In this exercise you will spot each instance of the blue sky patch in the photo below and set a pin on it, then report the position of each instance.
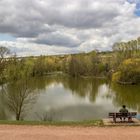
(6, 37)
(137, 10)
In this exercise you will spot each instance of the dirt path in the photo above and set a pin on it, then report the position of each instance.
(13, 132)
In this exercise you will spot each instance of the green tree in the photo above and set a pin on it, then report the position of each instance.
(77, 66)
(40, 66)
(128, 71)
(3, 52)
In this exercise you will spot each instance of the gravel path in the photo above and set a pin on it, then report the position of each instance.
(22, 132)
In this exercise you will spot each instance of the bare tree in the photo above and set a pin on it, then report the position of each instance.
(19, 98)
(3, 51)
(46, 116)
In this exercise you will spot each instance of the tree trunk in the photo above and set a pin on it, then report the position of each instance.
(18, 116)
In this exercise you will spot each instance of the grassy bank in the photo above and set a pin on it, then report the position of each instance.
(61, 123)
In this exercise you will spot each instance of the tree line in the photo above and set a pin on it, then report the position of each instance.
(117, 65)
(127, 62)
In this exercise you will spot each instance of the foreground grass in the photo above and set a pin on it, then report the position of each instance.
(52, 123)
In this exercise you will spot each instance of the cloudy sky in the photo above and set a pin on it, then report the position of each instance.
(35, 27)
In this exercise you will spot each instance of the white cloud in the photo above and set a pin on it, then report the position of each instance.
(62, 26)
(32, 49)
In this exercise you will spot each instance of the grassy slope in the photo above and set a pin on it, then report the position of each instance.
(83, 123)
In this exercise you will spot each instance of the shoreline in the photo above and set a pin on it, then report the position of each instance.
(90, 123)
(54, 123)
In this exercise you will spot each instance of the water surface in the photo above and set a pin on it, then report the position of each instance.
(63, 98)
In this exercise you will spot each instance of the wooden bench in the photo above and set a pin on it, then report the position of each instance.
(129, 115)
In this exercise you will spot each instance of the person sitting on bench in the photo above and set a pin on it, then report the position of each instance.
(124, 112)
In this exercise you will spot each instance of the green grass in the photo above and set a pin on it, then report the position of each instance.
(61, 123)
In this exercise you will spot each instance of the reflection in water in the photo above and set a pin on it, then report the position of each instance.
(83, 87)
(65, 98)
(2, 107)
(128, 95)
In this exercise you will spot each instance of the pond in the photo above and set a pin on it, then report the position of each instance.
(63, 98)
